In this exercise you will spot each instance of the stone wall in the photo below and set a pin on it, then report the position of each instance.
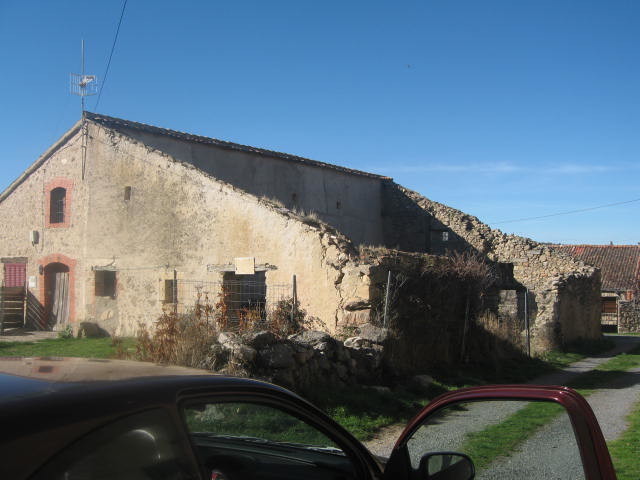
(629, 317)
(565, 293)
(304, 361)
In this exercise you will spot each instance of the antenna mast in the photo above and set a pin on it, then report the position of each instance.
(83, 85)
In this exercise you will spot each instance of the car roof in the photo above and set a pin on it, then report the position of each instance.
(24, 377)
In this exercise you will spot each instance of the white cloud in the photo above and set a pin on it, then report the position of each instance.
(504, 168)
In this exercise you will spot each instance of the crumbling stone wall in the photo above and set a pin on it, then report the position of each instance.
(303, 361)
(564, 292)
(629, 316)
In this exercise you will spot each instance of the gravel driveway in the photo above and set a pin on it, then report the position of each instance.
(611, 406)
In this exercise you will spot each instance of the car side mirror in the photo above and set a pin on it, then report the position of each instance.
(446, 466)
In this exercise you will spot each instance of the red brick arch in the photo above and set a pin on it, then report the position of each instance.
(69, 262)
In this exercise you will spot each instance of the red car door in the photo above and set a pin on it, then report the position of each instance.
(518, 432)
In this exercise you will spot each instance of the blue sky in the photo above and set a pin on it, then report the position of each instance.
(503, 109)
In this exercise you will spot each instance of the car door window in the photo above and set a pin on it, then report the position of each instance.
(248, 440)
(502, 438)
(144, 446)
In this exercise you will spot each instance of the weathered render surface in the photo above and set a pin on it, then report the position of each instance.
(178, 217)
(347, 199)
(145, 203)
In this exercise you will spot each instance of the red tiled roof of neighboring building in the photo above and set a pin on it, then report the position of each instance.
(119, 123)
(619, 264)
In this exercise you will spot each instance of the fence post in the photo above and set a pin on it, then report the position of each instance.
(294, 298)
(2, 308)
(175, 291)
(526, 320)
(386, 300)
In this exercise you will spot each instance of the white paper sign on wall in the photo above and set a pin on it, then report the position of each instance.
(245, 265)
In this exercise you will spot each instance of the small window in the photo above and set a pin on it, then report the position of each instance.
(127, 194)
(338, 204)
(105, 283)
(170, 291)
(57, 204)
(445, 236)
(294, 197)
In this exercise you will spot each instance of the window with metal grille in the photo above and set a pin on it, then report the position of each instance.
(105, 283)
(57, 204)
(245, 294)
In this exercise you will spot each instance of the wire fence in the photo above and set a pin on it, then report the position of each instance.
(235, 300)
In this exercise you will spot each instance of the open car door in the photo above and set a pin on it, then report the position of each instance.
(503, 432)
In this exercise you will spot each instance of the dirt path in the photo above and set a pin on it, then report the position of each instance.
(23, 335)
(611, 405)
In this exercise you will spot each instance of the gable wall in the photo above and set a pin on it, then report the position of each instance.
(180, 218)
(26, 209)
(317, 189)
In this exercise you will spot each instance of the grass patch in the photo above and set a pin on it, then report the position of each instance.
(496, 440)
(607, 372)
(625, 451)
(501, 439)
(363, 411)
(67, 347)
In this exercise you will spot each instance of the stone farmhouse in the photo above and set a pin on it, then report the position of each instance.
(119, 221)
(620, 272)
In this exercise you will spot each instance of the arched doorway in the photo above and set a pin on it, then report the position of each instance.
(56, 293)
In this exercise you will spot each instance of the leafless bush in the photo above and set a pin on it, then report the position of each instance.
(177, 340)
(285, 320)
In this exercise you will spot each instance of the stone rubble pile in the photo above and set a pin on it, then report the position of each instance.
(303, 360)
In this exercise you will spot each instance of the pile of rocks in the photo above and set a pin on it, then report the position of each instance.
(302, 360)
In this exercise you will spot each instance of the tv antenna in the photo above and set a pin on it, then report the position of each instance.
(82, 84)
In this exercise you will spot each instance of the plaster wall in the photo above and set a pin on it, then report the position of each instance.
(351, 203)
(178, 217)
(25, 210)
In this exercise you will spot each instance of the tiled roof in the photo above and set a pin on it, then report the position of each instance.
(618, 264)
(119, 123)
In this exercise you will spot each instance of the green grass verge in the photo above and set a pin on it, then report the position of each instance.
(363, 411)
(501, 439)
(625, 451)
(65, 347)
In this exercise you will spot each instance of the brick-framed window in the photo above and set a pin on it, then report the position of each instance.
(58, 203)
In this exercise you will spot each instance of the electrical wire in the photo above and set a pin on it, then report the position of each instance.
(113, 47)
(567, 212)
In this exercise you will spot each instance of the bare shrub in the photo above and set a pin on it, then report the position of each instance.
(285, 320)
(178, 340)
